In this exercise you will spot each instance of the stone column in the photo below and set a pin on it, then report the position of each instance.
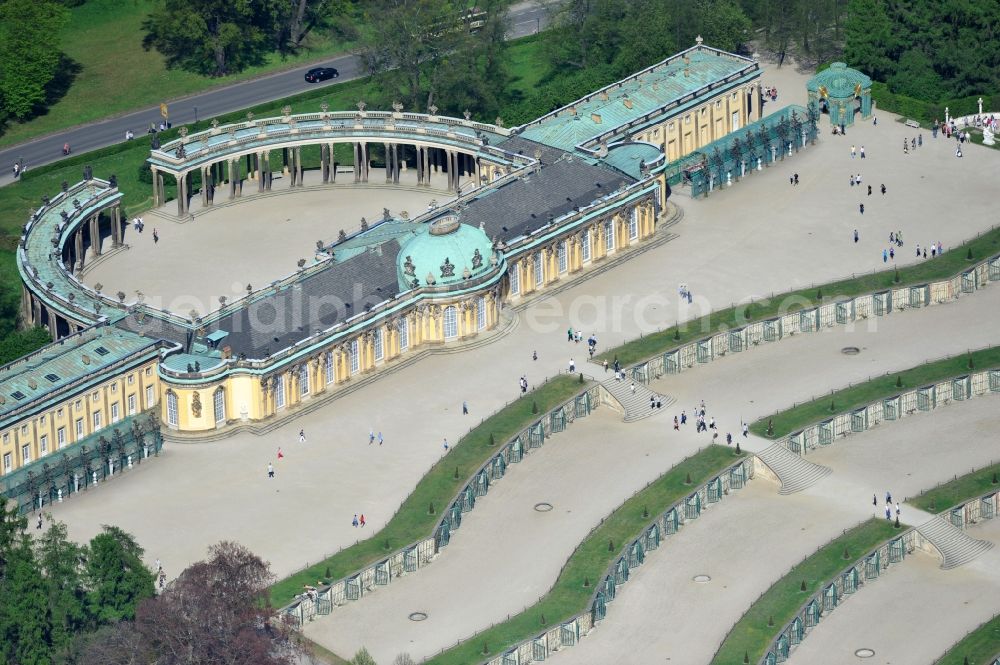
(204, 187)
(479, 173)
(52, 323)
(79, 250)
(261, 177)
(298, 166)
(268, 175)
(388, 163)
(232, 179)
(420, 165)
(156, 189)
(116, 225)
(36, 309)
(181, 194)
(324, 162)
(95, 236)
(356, 147)
(333, 163)
(395, 163)
(449, 168)
(365, 165)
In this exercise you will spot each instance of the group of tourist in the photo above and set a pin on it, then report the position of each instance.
(888, 505)
(703, 425)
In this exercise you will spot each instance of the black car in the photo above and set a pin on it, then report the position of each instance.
(321, 74)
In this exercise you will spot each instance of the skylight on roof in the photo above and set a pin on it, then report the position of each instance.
(101, 351)
(17, 394)
(52, 377)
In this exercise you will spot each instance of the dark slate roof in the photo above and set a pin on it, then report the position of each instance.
(277, 321)
(526, 203)
(154, 328)
(522, 146)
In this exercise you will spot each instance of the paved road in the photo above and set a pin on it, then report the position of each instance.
(526, 18)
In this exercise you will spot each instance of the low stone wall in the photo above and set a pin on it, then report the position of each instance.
(669, 522)
(908, 403)
(974, 511)
(842, 312)
(863, 571)
(325, 597)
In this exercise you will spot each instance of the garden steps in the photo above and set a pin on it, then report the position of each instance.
(794, 472)
(957, 548)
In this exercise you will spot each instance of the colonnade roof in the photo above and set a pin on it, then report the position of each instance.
(57, 365)
(653, 91)
(392, 127)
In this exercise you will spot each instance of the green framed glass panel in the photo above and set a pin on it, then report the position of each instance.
(995, 380)
(600, 609)
(961, 388)
(850, 580)
(636, 554)
(920, 295)
(897, 550)
(410, 560)
(557, 420)
(468, 499)
(969, 281)
(926, 398)
(536, 435)
(825, 432)
(499, 467)
(324, 604)
(692, 507)
(770, 658)
(873, 566)
(957, 517)
(796, 630)
(714, 490)
(737, 477)
(781, 648)
(890, 408)
(772, 330)
(382, 573)
(621, 571)
(845, 311)
(671, 521)
(859, 420)
(672, 362)
(830, 597)
(482, 483)
(444, 533)
(813, 612)
(352, 588)
(808, 320)
(515, 451)
(539, 651)
(640, 373)
(511, 658)
(610, 588)
(581, 405)
(736, 338)
(882, 303)
(455, 515)
(995, 268)
(568, 634)
(795, 442)
(704, 350)
(652, 537)
(987, 507)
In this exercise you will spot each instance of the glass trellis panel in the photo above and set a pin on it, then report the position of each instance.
(511, 658)
(671, 362)
(850, 580)
(882, 303)
(925, 398)
(919, 295)
(736, 341)
(692, 507)
(582, 405)
(538, 649)
(324, 604)
(995, 268)
(714, 490)
(961, 388)
(557, 420)
(516, 451)
(444, 533)
(410, 560)
(636, 554)
(468, 499)
(859, 420)
(969, 281)
(671, 521)
(795, 442)
(995, 380)
(807, 320)
(499, 467)
(890, 408)
(610, 588)
(640, 373)
(872, 566)
(825, 432)
(830, 598)
(897, 550)
(845, 311)
(704, 348)
(813, 612)
(482, 483)
(456, 514)
(770, 658)
(599, 610)
(737, 477)
(382, 573)
(352, 588)
(987, 507)
(796, 631)
(536, 435)
(772, 330)
(567, 634)
(621, 571)
(653, 537)
(781, 648)
(957, 517)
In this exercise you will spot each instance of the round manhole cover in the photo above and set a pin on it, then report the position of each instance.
(702, 579)
(418, 616)
(543, 507)
(864, 653)
(850, 350)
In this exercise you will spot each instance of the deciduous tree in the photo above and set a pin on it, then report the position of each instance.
(29, 53)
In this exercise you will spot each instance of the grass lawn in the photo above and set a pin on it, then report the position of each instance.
(959, 490)
(751, 635)
(821, 408)
(978, 646)
(951, 263)
(569, 596)
(104, 34)
(413, 521)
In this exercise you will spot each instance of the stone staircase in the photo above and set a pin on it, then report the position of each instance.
(635, 404)
(957, 548)
(794, 472)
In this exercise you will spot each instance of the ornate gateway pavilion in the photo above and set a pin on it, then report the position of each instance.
(532, 207)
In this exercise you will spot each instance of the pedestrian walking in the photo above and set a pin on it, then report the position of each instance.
(897, 510)
(156, 236)
(888, 497)
(302, 436)
(446, 445)
(888, 512)
(855, 235)
(883, 190)
(38, 526)
(684, 418)
(892, 253)
(853, 152)
(605, 366)
(270, 470)
(380, 438)
(852, 180)
(569, 334)
(362, 520)
(572, 366)
(796, 178)
(534, 355)
(869, 190)
(746, 430)
(861, 207)
(354, 522)
(281, 455)
(633, 387)
(465, 408)
(677, 425)
(371, 436)
(885, 256)
(862, 152)
(729, 439)
(711, 422)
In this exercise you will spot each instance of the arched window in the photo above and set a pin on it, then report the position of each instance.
(587, 240)
(279, 392)
(219, 402)
(171, 408)
(450, 322)
(539, 269)
(481, 313)
(328, 367)
(633, 224)
(563, 258)
(404, 334)
(515, 279)
(379, 340)
(609, 235)
(355, 359)
(304, 379)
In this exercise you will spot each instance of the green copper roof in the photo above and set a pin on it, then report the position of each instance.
(36, 377)
(444, 252)
(626, 157)
(840, 81)
(637, 96)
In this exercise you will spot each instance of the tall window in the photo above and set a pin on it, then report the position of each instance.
(450, 322)
(328, 367)
(43, 445)
(633, 224)
(219, 403)
(172, 408)
(539, 269)
(131, 405)
(355, 359)
(25, 454)
(7, 463)
(79, 428)
(61, 437)
(150, 398)
(609, 235)
(304, 379)
(586, 245)
(515, 279)
(115, 413)
(404, 334)
(563, 258)
(379, 346)
(97, 420)
(481, 313)
(279, 392)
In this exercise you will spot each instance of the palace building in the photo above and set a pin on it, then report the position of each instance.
(530, 207)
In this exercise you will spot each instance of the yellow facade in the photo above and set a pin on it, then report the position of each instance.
(78, 415)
